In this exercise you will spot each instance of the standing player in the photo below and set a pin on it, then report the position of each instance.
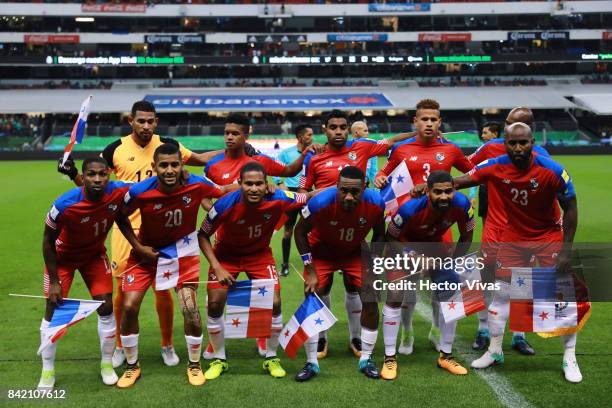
(529, 187)
(495, 222)
(420, 220)
(322, 171)
(303, 133)
(169, 205)
(329, 236)
(75, 232)
(360, 130)
(130, 158)
(423, 154)
(244, 222)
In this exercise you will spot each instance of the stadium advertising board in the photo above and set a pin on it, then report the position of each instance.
(270, 38)
(445, 37)
(51, 39)
(537, 35)
(398, 7)
(357, 37)
(606, 35)
(175, 39)
(312, 101)
(114, 8)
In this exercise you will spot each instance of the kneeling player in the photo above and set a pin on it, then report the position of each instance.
(168, 204)
(422, 220)
(329, 236)
(244, 222)
(74, 236)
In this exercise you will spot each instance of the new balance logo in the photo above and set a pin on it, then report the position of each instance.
(84, 220)
(329, 164)
(157, 206)
(225, 176)
(413, 158)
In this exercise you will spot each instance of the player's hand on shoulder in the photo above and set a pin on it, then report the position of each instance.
(419, 190)
(381, 181)
(249, 150)
(314, 148)
(55, 293)
(68, 168)
(224, 277)
(147, 254)
(272, 188)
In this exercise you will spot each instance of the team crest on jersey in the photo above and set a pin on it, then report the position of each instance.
(84, 220)
(131, 158)
(440, 157)
(130, 278)
(352, 156)
(398, 220)
(362, 221)
(186, 199)
(240, 222)
(533, 183)
(112, 207)
(267, 216)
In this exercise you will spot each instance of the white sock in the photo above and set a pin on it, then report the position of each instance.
(327, 302)
(391, 325)
(107, 330)
(194, 347)
(216, 336)
(569, 342)
(368, 341)
(496, 344)
(272, 341)
(406, 315)
(483, 323)
(130, 347)
(311, 349)
(48, 354)
(447, 333)
(352, 302)
(499, 310)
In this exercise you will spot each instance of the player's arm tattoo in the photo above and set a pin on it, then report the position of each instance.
(50, 256)
(202, 159)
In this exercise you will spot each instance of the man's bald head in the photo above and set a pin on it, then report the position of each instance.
(518, 128)
(359, 129)
(520, 114)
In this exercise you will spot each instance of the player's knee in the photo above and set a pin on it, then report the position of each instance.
(131, 307)
(107, 307)
(191, 314)
(215, 309)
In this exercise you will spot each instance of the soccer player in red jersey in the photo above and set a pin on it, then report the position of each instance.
(530, 187)
(329, 236)
(224, 168)
(494, 224)
(322, 170)
(424, 153)
(423, 220)
(74, 236)
(169, 205)
(243, 223)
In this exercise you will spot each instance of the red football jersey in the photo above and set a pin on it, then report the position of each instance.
(243, 229)
(416, 221)
(168, 217)
(496, 215)
(421, 159)
(336, 232)
(322, 170)
(224, 170)
(529, 196)
(84, 224)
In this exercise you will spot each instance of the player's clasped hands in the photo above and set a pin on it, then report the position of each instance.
(147, 254)
(224, 277)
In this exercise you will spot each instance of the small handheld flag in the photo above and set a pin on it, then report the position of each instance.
(67, 314)
(78, 131)
(312, 317)
(249, 309)
(400, 184)
(178, 262)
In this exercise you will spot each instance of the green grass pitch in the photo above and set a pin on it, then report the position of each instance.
(28, 188)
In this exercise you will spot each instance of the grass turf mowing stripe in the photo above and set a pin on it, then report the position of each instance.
(503, 389)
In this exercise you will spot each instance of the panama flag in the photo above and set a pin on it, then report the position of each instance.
(469, 299)
(249, 309)
(65, 315)
(548, 304)
(78, 131)
(178, 263)
(311, 318)
(400, 184)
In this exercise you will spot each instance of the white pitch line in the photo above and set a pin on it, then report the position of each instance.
(501, 386)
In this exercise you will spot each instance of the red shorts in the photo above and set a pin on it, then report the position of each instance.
(542, 253)
(256, 266)
(95, 271)
(351, 267)
(139, 276)
(491, 237)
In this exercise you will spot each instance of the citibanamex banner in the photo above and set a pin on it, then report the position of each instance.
(51, 38)
(445, 37)
(114, 8)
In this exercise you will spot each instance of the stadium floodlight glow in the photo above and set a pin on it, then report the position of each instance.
(84, 19)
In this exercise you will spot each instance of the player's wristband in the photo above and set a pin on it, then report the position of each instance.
(306, 258)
